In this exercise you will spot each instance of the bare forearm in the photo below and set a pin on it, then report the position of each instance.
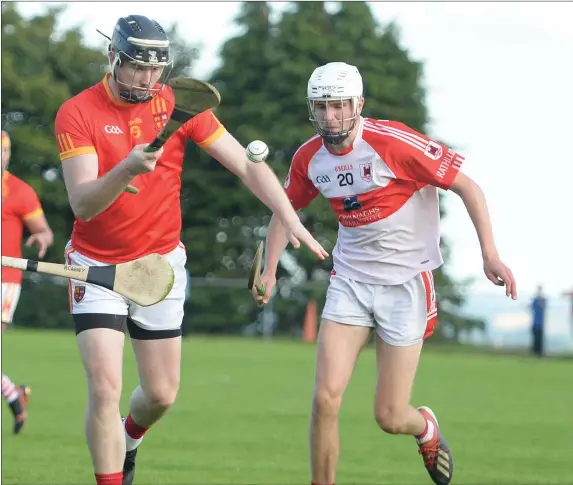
(276, 244)
(92, 198)
(476, 205)
(264, 184)
(39, 226)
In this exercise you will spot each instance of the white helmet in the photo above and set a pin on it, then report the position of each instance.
(333, 83)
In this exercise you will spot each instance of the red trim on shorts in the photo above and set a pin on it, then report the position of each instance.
(69, 250)
(431, 303)
(9, 295)
(8, 298)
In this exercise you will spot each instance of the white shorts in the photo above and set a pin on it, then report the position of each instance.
(402, 314)
(165, 315)
(10, 297)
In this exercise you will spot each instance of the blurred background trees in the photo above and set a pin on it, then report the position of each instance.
(262, 78)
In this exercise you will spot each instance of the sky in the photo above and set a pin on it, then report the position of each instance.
(500, 89)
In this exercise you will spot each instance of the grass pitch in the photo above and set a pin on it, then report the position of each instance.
(242, 417)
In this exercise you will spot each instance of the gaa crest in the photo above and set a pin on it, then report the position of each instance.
(366, 171)
(160, 112)
(160, 121)
(79, 293)
(433, 150)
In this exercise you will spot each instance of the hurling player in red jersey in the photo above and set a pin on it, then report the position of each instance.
(21, 209)
(101, 135)
(381, 179)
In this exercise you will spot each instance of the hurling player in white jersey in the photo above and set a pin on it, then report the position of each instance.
(381, 179)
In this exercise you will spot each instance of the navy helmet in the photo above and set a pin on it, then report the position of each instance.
(143, 43)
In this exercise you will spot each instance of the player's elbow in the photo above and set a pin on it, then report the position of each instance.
(78, 197)
(82, 216)
(81, 211)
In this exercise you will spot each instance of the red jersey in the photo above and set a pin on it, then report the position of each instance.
(19, 204)
(133, 226)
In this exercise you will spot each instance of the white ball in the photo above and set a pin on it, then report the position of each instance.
(257, 151)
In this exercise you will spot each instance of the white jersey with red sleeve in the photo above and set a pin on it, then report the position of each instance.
(384, 190)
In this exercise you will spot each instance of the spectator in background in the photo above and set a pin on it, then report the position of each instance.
(538, 306)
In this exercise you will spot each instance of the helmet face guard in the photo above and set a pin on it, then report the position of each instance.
(139, 44)
(131, 91)
(333, 117)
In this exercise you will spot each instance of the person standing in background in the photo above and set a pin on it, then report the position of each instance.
(538, 306)
(570, 295)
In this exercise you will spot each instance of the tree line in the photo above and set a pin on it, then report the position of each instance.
(262, 79)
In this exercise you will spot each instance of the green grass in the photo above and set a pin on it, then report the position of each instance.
(242, 417)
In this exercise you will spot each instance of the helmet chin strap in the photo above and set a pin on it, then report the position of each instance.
(127, 96)
(130, 97)
(335, 138)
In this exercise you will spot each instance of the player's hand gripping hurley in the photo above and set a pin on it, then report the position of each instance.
(145, 281)
(255, 275)
(192, 97)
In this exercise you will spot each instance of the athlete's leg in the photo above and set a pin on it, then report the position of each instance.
(401, 314)
(15, 396)
(99, 318)
(17, 399)
(406, 315)
(397, 367)
(101, 351)
(158, 358)
(338, 347)
(156, 340)
(9, 390)
(158, 364)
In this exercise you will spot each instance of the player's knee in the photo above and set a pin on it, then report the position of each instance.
(163, 395)
(326, 403)
(104, 394)
(390, 419)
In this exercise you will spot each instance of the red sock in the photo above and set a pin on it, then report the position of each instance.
(133, 429)
(109, 478)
